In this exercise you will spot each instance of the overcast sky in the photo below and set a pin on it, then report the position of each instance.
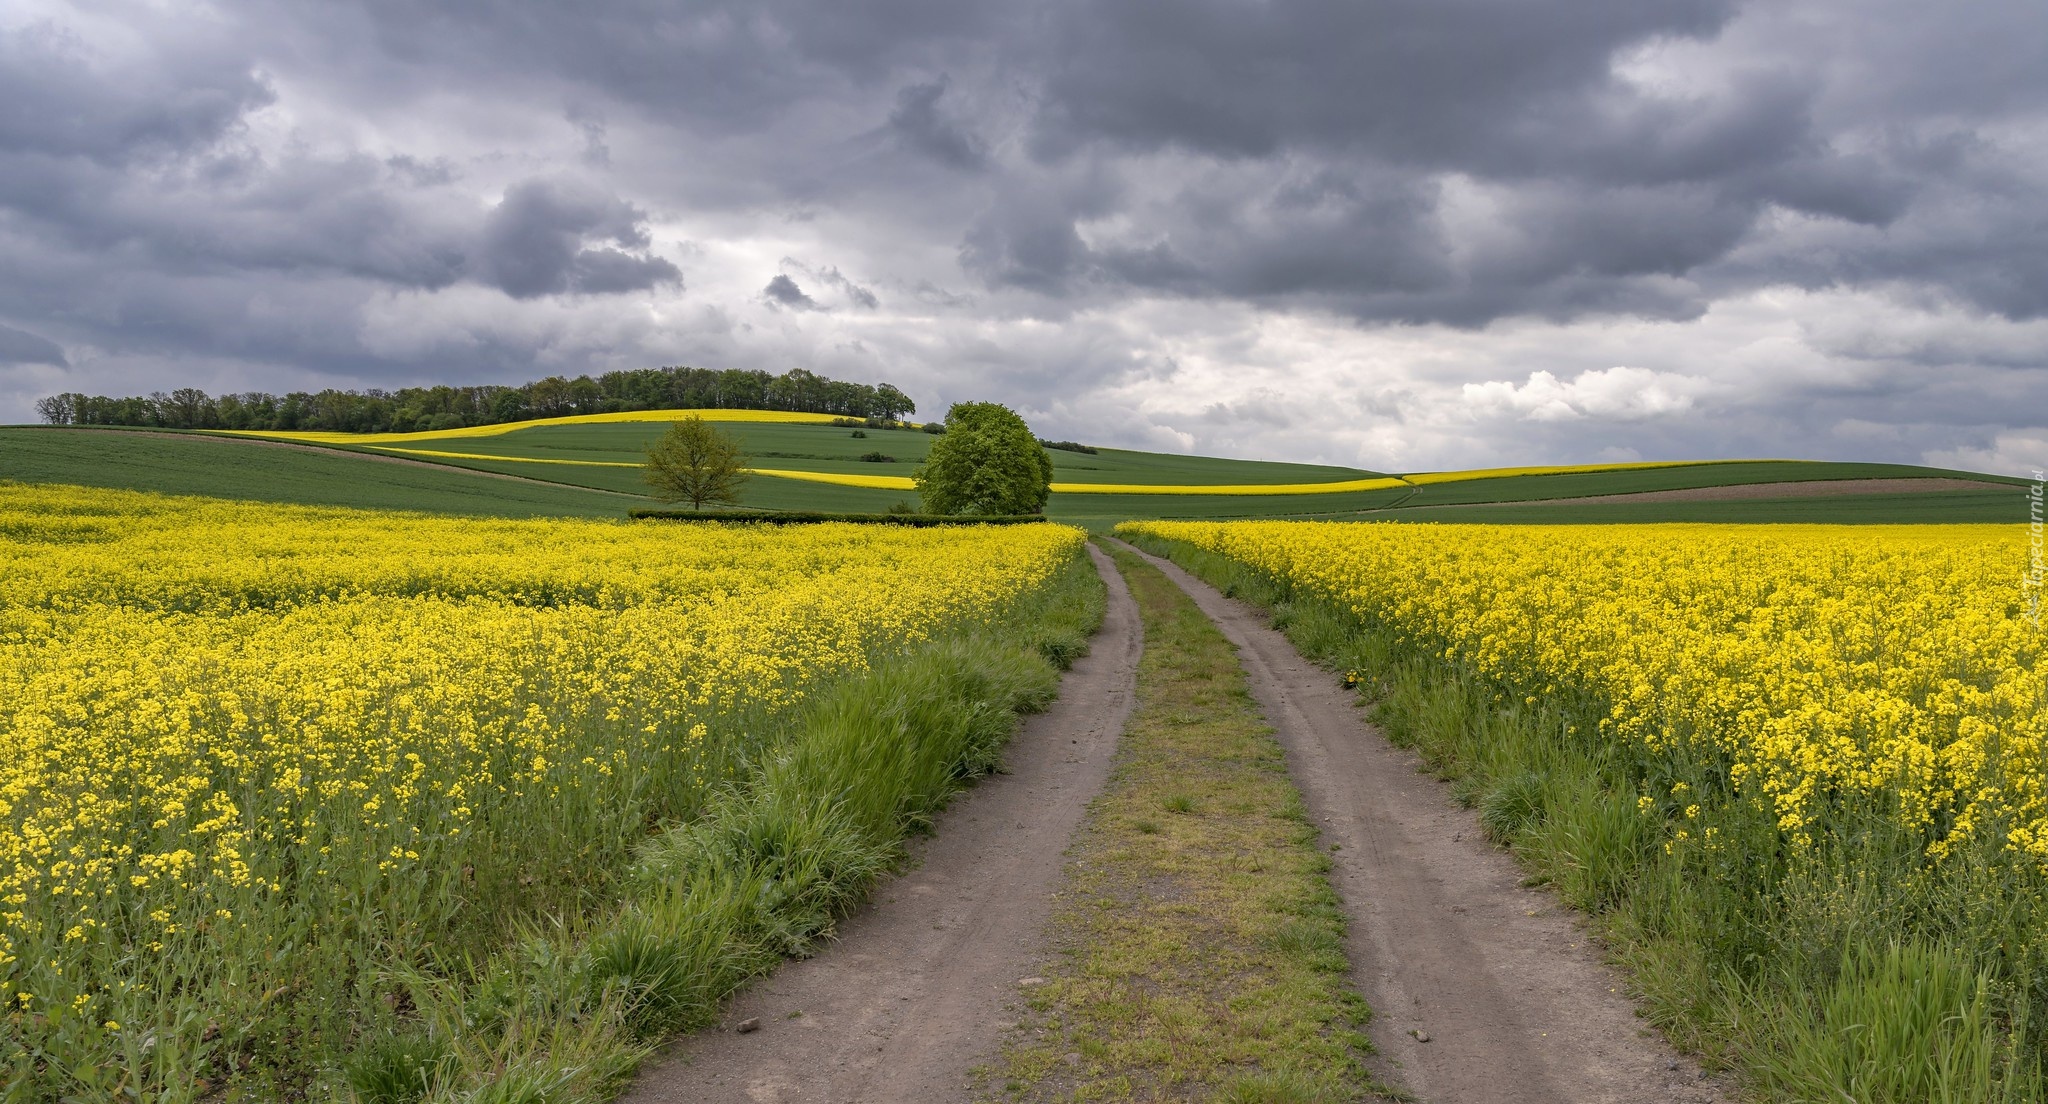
(1397, 234)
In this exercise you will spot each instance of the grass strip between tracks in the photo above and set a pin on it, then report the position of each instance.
(1198, 944)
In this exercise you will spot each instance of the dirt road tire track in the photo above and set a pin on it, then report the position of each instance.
(1510, 990)
(915, 990)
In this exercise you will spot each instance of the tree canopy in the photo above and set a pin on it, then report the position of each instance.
(987, 462)
(696, 462)
(410, 409)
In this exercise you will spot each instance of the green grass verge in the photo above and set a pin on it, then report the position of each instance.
(1200, 946)
(195, 464)
(566, 1013)
(1857, 972)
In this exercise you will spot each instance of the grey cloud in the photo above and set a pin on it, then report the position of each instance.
(855, 294)
(1854, 188)
(61, 104)
(1262, 408)
(860, 297)
(611, 272)
(1028, 240)
(783, 291)
(421, 174)
(1028, 236)
(1370, 242)
(1973, 235)
(1324, 233)
(23, 347)
(532, 244)
(597, 151)
(339, 188)
(728, 66)
(919, 124)
(1468, 83)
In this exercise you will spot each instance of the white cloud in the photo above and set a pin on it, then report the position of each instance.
(1619, 393)
(2023, 454)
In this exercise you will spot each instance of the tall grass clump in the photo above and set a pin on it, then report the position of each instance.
(1839, 962)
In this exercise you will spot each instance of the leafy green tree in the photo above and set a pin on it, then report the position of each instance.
(697, 462)
(891, 404)
(987, 462)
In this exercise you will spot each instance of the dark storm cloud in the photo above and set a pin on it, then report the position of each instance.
(57, 106)
(859, 296)
(918, 121)
(533, 244)
(1484, 83)
(728, 66)
(783, 291)
(375, 190)
(1027, 244)
(1610, 189)
(23, 347)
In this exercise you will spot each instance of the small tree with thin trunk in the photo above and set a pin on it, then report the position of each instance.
(697, 463)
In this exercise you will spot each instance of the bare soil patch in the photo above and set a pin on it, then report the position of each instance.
(1483, 991)
(919, 986)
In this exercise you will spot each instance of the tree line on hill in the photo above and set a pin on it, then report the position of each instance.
(410, 409)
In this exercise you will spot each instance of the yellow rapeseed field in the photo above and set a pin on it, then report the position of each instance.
(246, 747)
(498, 429)
(1833, 670)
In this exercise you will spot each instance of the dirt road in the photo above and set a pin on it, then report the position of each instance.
(915, 989)
(1484, 992)
(1515, 1003)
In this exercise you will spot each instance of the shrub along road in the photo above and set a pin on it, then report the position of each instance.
(916, 988)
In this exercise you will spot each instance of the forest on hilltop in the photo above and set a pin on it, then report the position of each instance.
(442, 406)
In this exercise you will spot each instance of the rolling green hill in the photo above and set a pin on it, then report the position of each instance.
(833, 449)
(1528, 488)
(591, 467)
(226, 468)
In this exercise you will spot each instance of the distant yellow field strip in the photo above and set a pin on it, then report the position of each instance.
(329, 438)
(904, 483)
(392, 442)
(1378, 483)
(1422, 478)
(880, 482)
(875, 482)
